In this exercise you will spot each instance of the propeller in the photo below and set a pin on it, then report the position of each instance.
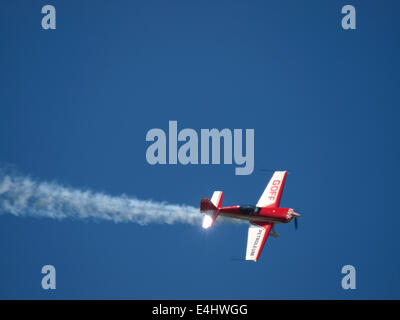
(295, 215)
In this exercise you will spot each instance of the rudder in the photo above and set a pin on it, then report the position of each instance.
(211, 208)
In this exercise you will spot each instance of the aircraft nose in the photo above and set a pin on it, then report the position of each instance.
(293, 214)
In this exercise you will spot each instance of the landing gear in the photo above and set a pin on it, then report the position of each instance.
(274, 234)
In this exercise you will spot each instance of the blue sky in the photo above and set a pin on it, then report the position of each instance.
(76, 104)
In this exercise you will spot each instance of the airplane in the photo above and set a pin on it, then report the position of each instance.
(262, 217)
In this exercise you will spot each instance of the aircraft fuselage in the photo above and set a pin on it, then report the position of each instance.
(252, 213)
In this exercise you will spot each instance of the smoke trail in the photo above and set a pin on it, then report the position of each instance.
(23, 196)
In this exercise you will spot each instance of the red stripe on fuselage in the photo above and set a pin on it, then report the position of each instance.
(267, 214)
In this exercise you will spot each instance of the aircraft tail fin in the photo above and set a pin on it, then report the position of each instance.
(211, 209)
(216, 198)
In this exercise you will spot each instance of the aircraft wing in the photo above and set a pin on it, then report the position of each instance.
(258, 234)
(271, 196)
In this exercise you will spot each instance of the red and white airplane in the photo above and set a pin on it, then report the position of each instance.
(262, 217)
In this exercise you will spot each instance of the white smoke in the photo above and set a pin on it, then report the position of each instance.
(23, 196)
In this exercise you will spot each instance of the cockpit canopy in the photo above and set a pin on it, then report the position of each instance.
(250, 210)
